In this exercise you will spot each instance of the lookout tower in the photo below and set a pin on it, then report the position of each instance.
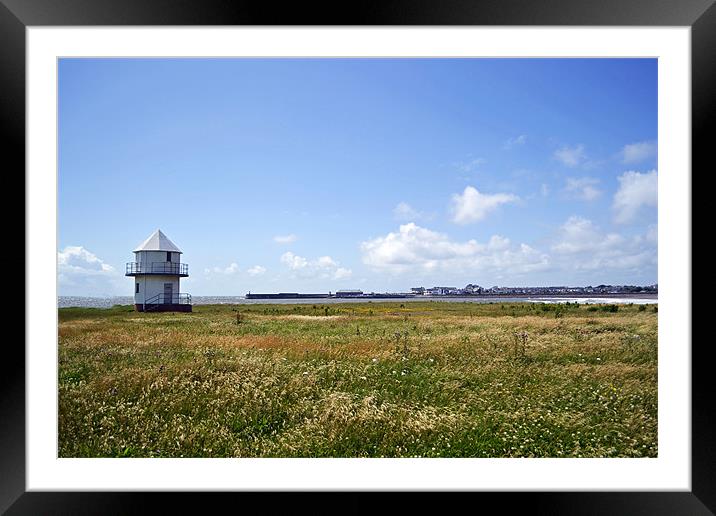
(156, 270)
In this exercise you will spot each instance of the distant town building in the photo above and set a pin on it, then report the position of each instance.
(442, 291)
(471, 290)
(156, 270)
(349, 293)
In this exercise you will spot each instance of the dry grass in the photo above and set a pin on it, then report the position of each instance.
(359, 380)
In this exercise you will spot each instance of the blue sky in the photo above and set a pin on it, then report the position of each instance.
(378, 174)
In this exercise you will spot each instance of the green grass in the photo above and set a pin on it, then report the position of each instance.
(425, 379)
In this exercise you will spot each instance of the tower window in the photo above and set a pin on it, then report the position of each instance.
(169, 256)
(136, 289)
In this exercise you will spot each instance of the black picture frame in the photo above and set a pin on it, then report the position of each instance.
(17, 15)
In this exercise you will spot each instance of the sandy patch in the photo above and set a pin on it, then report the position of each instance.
(313, 318)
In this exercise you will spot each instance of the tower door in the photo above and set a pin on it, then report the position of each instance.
(168, 293)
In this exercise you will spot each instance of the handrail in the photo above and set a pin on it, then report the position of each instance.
(164, 299)
(132, 268)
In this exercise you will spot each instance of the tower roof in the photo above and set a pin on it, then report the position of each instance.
(157, 241)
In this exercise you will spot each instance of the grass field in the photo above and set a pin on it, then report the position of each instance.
(420, 379)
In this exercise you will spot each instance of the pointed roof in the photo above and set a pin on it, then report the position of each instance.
(157, 241)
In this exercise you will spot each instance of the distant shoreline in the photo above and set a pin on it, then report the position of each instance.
(108, 302)
(640, 295)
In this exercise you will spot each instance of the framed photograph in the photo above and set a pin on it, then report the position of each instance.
(322, 176)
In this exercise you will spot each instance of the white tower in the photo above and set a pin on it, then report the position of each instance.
(156, 270)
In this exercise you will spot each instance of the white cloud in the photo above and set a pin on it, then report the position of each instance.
(638, 152)
(498, 243)
(81, 272)
(414, 248)
(341, 273)
(636, 190)
(79, 260)
(256, 270)
(583, 188)
(233, 268)
(294, 262)
(580, 235)
(544, 190)
(403, 211)
(285, 239)
(473, 206)
(412, 245)
(570, 156)
(517, 140)
(323, 267)
(582, 245)
(469, 166)
(326, 262)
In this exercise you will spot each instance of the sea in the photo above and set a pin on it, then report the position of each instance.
(109, 302)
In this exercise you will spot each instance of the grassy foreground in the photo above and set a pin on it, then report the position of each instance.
(425, 379)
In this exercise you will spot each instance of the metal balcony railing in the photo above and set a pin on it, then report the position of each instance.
(169, 299)
(136, 268)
